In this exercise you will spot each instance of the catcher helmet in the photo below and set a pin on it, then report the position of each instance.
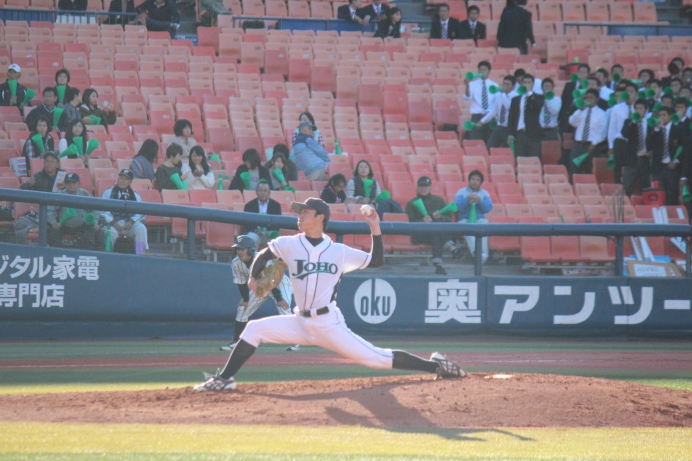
(245, 241)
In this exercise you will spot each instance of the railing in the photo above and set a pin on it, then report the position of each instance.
(635, 29)
(71, 17)
(193, 214)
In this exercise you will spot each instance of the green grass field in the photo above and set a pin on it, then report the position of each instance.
(77, 442)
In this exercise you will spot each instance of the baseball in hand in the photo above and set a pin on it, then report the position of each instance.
(367, 210)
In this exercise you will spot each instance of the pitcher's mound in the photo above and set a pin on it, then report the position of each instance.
(414, 401)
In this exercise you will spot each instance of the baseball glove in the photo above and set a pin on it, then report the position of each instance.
(270, 277)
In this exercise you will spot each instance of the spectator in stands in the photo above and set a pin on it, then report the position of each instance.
(70, 110)
(92, 113)
(442, 25)
(619, 114)
(604, 90)
(675, 85)
(477, 91)
(687, 75)
(72, 5)
(638, 150)
(142, 165)
(516, 28)
(121, 6)
(376, 10)
(665, 167)
(129, 225)
(333, 192)
(500, 112)
(524, 113)
(279, 162)
(159, 16)
(583, 71)
(616, 71)
(685, 92)
(681, 107)
(591, 129)
(353, 13)
(645, 75)
(465, 199)
(667, 100)
(310, 158)
(197, 173)
(263, 204)
(82, 232)
(62, 79)
(171, 166)
(391, 26)
(537, 82)
(675, 68)
(550, 112)
(252, 165)
(595, 84)
(14, 73)
(291, 170)
(183, 132)
(355, 189)
(307, 117)
(472, 28)
(74, 130)
(44, 180)
(432, 204)
(33, 149)
(46, 110)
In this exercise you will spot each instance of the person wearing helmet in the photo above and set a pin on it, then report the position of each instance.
(245, 250)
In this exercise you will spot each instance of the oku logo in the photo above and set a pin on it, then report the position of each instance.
(375, 301)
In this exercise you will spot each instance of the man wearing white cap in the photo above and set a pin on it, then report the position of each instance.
(11, 92)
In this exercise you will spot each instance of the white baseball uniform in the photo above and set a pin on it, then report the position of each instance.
(241, 275)
(315, 275)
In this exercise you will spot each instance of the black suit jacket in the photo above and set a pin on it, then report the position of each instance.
(466, 34)
(655, 140)
(383, 30)
(567, 107)
(344, 12)
(369, 10)
(273, 208)
(533, 111)
(630, 131)
(452, 28)
(515, 28)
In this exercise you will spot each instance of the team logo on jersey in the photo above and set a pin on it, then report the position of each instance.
(305, 268)
(375, 301)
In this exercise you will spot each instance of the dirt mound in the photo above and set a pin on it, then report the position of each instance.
(415, 401)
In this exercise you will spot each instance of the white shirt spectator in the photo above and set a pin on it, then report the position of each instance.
(598, 126)
(502, 99)
(206, 181)
(605, 92)
(618, 116)
(552, 107)
(476, 95)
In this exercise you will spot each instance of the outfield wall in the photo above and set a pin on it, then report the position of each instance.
(48, 293)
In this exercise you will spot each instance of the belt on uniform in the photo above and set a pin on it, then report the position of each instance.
(319, 311)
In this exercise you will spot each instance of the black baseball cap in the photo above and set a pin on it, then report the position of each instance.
(74, 177)
(424, 181)
(127, 172)
(312, 203)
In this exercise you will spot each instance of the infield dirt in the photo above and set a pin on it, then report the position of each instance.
(483, 400)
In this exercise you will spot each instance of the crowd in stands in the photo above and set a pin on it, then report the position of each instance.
(433, 142)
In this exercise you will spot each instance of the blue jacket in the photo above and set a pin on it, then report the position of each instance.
(308, 155)
(464, 206)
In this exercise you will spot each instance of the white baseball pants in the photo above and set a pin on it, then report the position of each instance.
(328, 331)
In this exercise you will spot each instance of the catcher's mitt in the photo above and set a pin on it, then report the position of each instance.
(270, 277)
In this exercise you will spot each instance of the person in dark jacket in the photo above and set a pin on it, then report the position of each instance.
(39, 142)
(665, 166)
(92, 113)
(168, 168)
(333, 192)
(583, 71)
(376, 10)
(516, 28)
(390, 27)
(46, 110)
(355, 190)
(121, 6)
(353, 13)
(472, 28)
(159, 16)
(256, 172)
(62, 80)
(442, 25)
(44, 180)
(263, 205)
(637, 152)
(523, 120)
(14, 73)
(72, 5)
(290, 168)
